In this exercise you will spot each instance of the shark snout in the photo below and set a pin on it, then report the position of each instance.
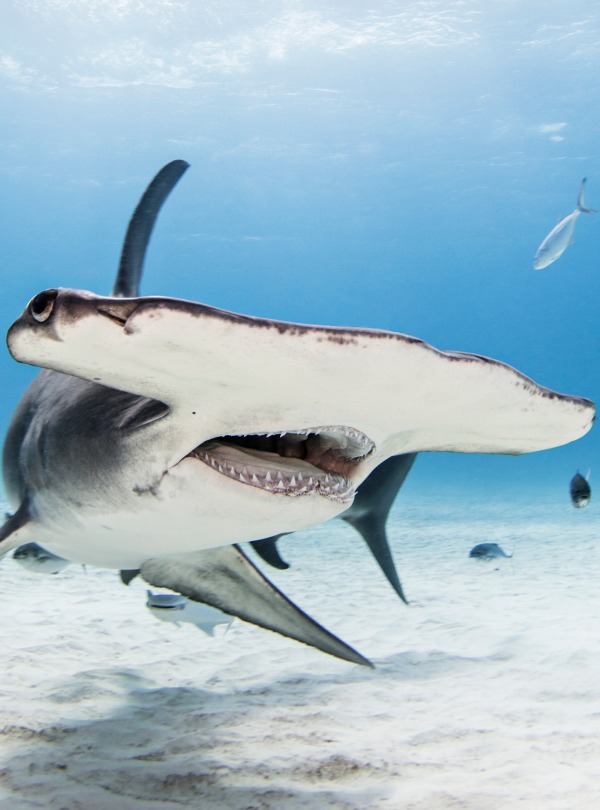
(55, 316)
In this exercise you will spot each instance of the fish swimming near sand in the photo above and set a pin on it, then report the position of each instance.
(37, 559)
(580, 490)
(163, 432)
(487, 551)
(561, 236)
(172, 607)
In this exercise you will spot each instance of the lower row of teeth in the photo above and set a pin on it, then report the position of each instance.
(335, 487)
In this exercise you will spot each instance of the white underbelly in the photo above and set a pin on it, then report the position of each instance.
(181, 517)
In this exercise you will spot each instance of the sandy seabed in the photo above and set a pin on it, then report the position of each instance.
(486, 691)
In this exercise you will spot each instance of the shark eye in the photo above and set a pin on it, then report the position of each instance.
(40, 308)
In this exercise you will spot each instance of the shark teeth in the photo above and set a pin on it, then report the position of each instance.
(316, 460)
(291, 482)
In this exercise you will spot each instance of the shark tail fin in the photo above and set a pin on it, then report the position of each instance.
(580, 203)
(226, 579)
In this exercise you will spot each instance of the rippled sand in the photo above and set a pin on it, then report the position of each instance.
(486, 691)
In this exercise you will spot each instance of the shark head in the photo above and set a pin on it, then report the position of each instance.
(261, 426)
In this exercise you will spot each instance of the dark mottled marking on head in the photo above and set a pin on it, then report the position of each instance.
(341, 340)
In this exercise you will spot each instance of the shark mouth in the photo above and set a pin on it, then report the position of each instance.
(317, 460)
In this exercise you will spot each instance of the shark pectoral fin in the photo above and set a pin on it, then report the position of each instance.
(226, 579)
(128, 574)
(267, 549)
(11, 532)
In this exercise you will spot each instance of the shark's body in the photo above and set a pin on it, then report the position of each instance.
(561, 236)
(195, 441)
(164, 431)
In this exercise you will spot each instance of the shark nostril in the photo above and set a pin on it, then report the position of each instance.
(41, 307)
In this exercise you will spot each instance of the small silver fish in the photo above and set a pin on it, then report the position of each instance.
(173, 607)
(561, 236)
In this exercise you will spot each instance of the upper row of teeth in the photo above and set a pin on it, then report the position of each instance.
(335, 487)
(363, 441)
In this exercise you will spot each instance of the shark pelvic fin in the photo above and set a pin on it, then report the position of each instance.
(226, 579)
(267, 549)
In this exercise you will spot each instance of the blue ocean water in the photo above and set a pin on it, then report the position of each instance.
(390, 164)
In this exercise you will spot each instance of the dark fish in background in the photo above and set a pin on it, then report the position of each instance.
(487, 551)
(580, 490)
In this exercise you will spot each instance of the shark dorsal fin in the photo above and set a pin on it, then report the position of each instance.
(140, 229)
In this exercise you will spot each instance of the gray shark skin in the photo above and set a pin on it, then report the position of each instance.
(159, 435)
(141, 225)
